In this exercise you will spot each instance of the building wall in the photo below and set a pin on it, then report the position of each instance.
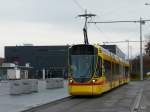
(50, 58)
(1, 61)
(114, 49)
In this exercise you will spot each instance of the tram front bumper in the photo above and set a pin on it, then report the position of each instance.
(85, 89)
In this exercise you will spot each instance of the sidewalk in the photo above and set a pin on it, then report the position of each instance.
(11, 103)
(121, 99)
(145, 103)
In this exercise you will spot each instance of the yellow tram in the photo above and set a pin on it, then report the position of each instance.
(94, 70)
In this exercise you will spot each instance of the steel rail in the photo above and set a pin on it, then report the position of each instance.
(42, 106)
(137, 102)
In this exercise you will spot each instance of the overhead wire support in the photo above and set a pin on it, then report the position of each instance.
(122, 41)
(79, 5)
(86, 16)
(142, 22)
(130, 21)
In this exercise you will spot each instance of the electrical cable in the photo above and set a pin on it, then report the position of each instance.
(79, 5)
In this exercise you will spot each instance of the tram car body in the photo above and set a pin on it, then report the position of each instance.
(94, 70)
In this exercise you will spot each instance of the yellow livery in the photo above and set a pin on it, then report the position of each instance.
(93, 70)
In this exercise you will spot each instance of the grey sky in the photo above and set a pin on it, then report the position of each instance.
(49, 22)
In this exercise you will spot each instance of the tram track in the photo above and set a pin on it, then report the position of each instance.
(34, 109)
(136, 106)
(117, 100)
(73, 101)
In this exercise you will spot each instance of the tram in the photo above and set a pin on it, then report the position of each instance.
(94, 70)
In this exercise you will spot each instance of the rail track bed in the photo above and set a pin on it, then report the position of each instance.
(122, 99)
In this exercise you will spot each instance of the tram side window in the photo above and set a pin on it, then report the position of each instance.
(107, 66)
(121, 70)
(117, 69)
(113, 70)
(126, 71)
(99, 66)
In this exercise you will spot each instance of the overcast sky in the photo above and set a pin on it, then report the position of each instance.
(54, 22)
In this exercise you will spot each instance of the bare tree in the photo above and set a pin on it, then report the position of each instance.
(147, 47)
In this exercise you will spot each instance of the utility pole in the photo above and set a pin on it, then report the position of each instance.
(128, 49)
(131, 58)
(141, 52)
(141, 21)
(86, 16)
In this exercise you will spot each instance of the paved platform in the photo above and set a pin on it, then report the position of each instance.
(122, 99)
(145, 103)
(17, 103)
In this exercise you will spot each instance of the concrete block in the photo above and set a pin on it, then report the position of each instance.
(27, 86)
(15, 87)
(34, 85)
(60, 82)
(54, 83)
(50, 83)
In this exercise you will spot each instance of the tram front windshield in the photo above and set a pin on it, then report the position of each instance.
(82, 61)
(82, 66)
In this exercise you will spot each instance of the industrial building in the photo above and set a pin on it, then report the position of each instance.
(10, 71)
(46, 61)
(114, 49)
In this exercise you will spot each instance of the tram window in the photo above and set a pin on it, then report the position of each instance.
(123, 71)
(107, 66)
(120, 70)
(113, 70)
(117, 69)
(126, 71)
(83, 50)
(99, 66)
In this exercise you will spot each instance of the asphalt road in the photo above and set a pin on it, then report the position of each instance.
(146, 97)
(121, 99)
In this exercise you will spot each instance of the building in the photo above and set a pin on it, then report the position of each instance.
(12, 72)
(50, 61)
(114, 49)
(46, 61)
(1, 60)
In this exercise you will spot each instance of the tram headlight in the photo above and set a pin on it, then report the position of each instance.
(93, 80)
(70, 81)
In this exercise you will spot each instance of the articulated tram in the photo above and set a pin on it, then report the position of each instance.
(94, 70)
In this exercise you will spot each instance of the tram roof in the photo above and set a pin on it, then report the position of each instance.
(113, 55)
(107, 52)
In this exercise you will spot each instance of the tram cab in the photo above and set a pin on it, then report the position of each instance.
(85, 70)
(93, 70)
